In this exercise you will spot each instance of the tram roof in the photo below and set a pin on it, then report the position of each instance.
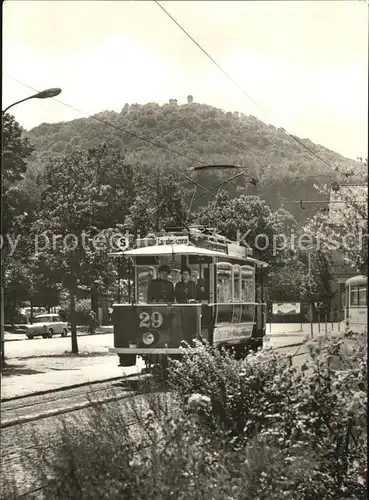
(158, 250)
(357, 280)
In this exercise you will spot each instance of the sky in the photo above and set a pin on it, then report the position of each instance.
(303, 65)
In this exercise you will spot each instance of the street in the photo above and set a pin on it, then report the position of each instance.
(281, 334)
(57, 345)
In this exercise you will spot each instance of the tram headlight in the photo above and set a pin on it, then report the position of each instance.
(148, 338)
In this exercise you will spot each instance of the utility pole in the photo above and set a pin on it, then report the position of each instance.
(45, 94)
(311, 300)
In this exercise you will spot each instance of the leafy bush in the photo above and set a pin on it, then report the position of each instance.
(83, 309)
(319, 408)
(229, 430)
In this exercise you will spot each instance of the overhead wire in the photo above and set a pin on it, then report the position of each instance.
(156, 144)
(229, 77)
(121, 129)
(142, 138)
(232, 80)
(132, 134)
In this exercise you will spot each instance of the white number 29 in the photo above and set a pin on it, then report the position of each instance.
(155, 320)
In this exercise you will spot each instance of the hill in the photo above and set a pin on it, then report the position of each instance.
(285, 171)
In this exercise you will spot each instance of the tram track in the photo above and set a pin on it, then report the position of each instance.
(64, 388)
(18, 411)
(22, 409)
(25, 462)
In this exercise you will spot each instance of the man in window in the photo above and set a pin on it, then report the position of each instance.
(185, 291)
(161, 289)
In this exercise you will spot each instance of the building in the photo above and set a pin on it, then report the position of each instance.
(339, 212)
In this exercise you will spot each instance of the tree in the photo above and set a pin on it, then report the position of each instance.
(86, 197)
(285, 170)
(251, 221)
(160, 201)
(16, 151)
(285, 281)
(344, 226)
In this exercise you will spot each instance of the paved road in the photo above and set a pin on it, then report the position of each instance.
(102, 342)
(276, 335)
(57, 345)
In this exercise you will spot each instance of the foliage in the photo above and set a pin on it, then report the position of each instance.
(343, 228)
(250, 220)
(86, 195)
(285, 281)
(316, 285)
(284, 170)
(17, 277)
(229, 430)
(319, 408)
(82, 311)
(160, 201)
(16, 150)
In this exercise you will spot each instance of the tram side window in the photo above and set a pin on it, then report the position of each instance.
(224, 282)
(358, 295)
(354, 299)
(362, 295)
(247, 284)
(236, 283)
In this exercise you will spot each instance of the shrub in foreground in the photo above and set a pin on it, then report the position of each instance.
(318, 408)
(229, 430)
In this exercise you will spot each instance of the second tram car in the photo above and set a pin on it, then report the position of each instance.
(356, 304)
(224, 304)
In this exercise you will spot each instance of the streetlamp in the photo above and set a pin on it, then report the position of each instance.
(44, 94)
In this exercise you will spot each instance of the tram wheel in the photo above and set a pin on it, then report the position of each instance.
(241, 351)
(256, 344)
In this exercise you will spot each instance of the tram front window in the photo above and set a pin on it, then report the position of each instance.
(157, 283)
(144, 276)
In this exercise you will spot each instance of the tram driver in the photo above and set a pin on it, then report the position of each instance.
(185, 290)
(161, 289)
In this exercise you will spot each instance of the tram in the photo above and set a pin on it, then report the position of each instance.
(187, 285)
(356, 300)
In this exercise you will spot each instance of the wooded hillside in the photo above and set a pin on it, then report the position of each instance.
(284, 170)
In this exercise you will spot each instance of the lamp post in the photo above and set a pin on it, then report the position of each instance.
(45, 94)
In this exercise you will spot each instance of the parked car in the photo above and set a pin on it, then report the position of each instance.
(26, 311)
(46, 325)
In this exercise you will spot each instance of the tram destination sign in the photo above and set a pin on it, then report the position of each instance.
(172, 240)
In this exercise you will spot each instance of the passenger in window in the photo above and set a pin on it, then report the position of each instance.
(185, 290)
(161, 289)
(202, 289)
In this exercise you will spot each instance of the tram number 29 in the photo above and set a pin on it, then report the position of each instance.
(153, 320)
